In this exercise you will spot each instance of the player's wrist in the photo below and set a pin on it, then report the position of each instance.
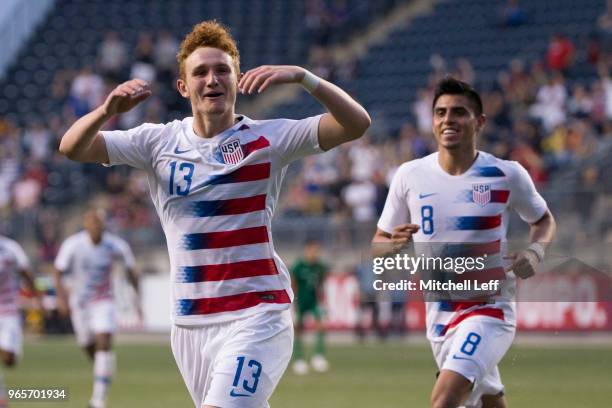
(538, 250)
(310, 81)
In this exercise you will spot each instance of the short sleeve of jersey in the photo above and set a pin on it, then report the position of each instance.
(295, 139)
(396, 210)
(125, 252)
(22, 259)
(132, 147)
(524, 198)
(64, 256)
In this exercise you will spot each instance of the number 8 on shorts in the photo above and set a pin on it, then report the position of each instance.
(470, 344)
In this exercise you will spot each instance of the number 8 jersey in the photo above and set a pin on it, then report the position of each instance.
(470, 210)
(215, 198)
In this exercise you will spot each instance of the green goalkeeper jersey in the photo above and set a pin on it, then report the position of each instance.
(308, 278)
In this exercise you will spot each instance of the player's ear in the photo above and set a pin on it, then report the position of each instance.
(181, 86)
(482, 119)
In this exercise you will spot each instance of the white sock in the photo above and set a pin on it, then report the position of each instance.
(104, 368)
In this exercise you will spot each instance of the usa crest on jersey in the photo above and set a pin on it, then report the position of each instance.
(481, 194)
(232, 152)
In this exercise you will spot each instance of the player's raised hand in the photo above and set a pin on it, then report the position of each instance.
(126, 95)
(402, 235)
(524, 263)
(260, 78)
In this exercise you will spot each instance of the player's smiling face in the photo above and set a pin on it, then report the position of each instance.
(455, 122)
(210, 82)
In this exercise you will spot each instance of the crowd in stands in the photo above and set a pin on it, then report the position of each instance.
(539, 113)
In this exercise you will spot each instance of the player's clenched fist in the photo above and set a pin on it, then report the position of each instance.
(125, 96)
(260, 78)
(402, 234)
(524, 263)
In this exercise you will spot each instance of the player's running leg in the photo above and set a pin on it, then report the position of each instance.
(300, 366)
(468, 361)
(318, 360)
(103, 369)
(494, 401)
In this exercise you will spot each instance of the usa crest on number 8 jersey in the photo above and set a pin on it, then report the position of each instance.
(481, 194)
(232, 152)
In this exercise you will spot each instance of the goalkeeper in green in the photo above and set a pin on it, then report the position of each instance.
(308, 274)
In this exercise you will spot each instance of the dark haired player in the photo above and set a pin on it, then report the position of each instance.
(462, 195)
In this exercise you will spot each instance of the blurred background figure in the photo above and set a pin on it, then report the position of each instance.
(308, 274)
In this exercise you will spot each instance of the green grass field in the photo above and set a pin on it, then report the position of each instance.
(387, 376)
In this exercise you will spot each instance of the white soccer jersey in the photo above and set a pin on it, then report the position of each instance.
(215, 198)
(12, 261)
(469, 208)
(89, 266)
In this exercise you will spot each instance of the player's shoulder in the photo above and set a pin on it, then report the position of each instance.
(276, 126)
(9, 242)
(413, 167)
(76, 239)
(493, 166)
(113, 239)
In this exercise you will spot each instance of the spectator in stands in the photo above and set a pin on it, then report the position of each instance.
(166, 48)
(86, 92)
(560, 55)
(512, 14)
(112, 56)
(550, 102)
(38, 138)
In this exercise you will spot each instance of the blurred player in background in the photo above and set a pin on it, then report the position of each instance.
(308, 275)
(462, 195)
(86, 259)
(214, 179)
(14, 265)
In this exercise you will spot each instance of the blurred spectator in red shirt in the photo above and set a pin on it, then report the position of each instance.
(560, 53)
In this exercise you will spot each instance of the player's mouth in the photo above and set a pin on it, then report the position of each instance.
(450, 132)
(213, 95)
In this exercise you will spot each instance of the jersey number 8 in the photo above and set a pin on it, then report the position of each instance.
(427, 224)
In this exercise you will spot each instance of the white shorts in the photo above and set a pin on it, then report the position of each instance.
(95, 318)
(11, 335)
(473, 350)
(235, 364)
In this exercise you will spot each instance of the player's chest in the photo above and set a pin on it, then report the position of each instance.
(189, 170)
(477, 195)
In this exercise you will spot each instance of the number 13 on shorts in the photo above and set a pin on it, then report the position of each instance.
(246, 378)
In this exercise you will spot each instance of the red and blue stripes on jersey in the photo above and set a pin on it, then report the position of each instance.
(487, 171)
(204, 306)
(233, 206)
(251, 172)
(225, 239)
(220, 272)
(474, 222)
(497, 196)
(442, 329)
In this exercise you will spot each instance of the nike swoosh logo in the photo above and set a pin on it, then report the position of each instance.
(233, 393)
(426, 195)
(177, 151)
(460, 358)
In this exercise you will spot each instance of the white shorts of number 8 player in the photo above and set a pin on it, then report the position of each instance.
(235, 364)
(473, 350)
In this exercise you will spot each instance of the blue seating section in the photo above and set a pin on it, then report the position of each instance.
(391, 73)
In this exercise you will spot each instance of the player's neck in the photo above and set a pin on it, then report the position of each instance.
(211, 125)
(456, 162)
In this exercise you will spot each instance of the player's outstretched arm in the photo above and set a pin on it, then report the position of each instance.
(346, 119)
(542, 232)
(83, 142)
